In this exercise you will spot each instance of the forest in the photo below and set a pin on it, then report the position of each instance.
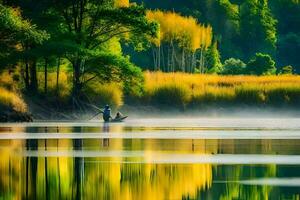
(62, 56)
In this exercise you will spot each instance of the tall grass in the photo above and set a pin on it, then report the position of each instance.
(201, 90)
(12, 100)
(94, 92)
(171, 94)
(169, 89)
(10, 95)
(101, 94)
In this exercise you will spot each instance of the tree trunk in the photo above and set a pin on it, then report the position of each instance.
(193, 63)
(76, 78)
(26, 75)
(183, 61)
(201, 67)
(158, 58)
(33, 77)
(154, 58)
(57, 75)
(46, 76)
(169, 59)
(163, 58)
(173, 57)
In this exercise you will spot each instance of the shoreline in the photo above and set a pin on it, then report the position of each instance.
(166, 112)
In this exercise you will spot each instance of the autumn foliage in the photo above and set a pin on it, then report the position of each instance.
(181, 41)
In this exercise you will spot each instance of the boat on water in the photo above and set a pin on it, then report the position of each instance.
(107, 115)
(119, 119)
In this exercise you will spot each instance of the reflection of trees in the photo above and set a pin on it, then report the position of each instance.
(105, 129)
(227, 185)
(67, 177)
(31, 170)
(78, 167)
(146, 181)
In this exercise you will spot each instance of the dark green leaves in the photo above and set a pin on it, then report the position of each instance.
(109, 67)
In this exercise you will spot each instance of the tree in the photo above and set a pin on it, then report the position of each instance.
(288, 50)
(212, 57)
(287, 12)
(116, 68)
(14, 30)
(287, 70)
(257, 28)
(17, 36)
(223, 15)
(88, 24)
(233, 66)
(261, 64)
(179, 40)
(80, 28)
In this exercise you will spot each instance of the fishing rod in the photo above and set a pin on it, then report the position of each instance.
(95, 107)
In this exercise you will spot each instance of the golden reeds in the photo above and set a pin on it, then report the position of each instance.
(10, 99)
(202, 89)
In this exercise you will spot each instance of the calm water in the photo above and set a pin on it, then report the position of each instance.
(152, 159)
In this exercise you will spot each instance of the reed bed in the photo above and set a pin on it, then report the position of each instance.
(11, 100)
(10, 95)
(198, 90)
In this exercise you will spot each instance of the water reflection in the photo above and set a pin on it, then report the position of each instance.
(121, 177)
(106, 130)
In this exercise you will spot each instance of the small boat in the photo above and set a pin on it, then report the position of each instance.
(119, 119)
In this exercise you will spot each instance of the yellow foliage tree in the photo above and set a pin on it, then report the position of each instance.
(186, 32)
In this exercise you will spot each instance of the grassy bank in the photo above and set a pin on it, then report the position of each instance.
(161, 90)
(12, 105)
(195, 90)
(10, 95)
(93, 92)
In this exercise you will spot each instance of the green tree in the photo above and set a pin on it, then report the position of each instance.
(233, 66)
(81, 28)
(116, 68)
(261, 64)
(88, 24)
(257, 28)
(224, 18)
(288, 50)
(212, 59)
(17, 36)
(287, 70)
(14, 31)
(287, 12)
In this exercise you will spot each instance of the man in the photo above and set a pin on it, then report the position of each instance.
(106, 113)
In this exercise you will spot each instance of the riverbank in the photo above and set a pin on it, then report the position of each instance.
(13, 107)
(170, 93)
(198, 91)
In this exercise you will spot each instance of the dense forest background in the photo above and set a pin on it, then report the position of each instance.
(242, 28)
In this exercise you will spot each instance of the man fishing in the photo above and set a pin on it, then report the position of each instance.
(106, 113)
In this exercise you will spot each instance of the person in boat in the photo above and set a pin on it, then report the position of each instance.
(106, 113)
(118, 116)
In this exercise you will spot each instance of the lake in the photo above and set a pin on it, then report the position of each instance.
(175, 158)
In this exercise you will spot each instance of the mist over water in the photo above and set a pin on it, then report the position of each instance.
(218, 110)
(167, 157)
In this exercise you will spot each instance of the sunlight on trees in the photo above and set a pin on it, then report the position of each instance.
(180, 37)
